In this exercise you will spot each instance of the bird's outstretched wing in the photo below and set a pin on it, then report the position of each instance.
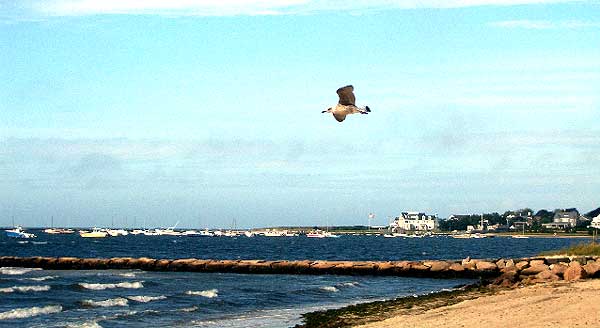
(346, 95)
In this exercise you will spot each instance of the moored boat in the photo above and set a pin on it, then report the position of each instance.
(18, 232)
(95, 233)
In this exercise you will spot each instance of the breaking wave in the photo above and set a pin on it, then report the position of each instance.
(16, 270)
(44, 278)
(119, 301)
(24, 289)
(350, 284)
(188, 309)
(29, 312)
(329, 289)
(131, 285)
(87, 324)
(210, 293)
(146, 299)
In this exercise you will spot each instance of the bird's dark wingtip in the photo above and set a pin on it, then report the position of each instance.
(368, 109)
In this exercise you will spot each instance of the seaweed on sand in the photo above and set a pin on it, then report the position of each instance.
(363, 313)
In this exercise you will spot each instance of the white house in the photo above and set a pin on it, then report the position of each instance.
(414, 221)
(563, 219)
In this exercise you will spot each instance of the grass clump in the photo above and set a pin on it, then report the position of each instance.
(580, 249)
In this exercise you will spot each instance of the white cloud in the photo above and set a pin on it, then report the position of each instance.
(248, 7)
(544, 24)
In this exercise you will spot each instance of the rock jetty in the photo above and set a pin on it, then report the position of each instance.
(497, 272)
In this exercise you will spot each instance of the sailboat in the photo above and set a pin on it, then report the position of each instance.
(523, 235)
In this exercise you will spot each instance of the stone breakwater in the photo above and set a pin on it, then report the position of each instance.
(499, 272)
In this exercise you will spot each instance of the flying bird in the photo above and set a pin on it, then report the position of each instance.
(346, 105)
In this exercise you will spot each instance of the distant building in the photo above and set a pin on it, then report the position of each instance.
(595, 222)
(563, 219)
(414, 221)
(519, 217)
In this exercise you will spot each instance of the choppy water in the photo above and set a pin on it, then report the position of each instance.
(129, 298)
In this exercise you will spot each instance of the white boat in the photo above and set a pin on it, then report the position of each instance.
(395, 235)
(18, 232)
(206, 233)
(321, 234)
(167, 232)
(137, 232)
(190, 233)
(462, 236)
(278, 233)
(170, 231)
(95, 233)
(57, 231)
(230, 233)
(273, 233)
(150, 232)
(117, 232)
(248, 233)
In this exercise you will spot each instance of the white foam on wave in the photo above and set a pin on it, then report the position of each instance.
(188, 309)
(350, 284)
(87, 324)
(119, 301)
(146, 299)
(329, 289)
(127, 274)
(210, 293)
(16, 270)
(24, 289)
(130, 285)
(29, 312)
(44, 278)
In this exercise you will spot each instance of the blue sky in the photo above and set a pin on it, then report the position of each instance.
(208, 111)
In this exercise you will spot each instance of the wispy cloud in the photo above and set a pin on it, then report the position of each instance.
(545, 24)
(241, 7)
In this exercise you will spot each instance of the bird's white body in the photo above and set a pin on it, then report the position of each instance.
(345, 105)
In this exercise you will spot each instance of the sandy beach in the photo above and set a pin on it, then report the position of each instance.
(561, 304)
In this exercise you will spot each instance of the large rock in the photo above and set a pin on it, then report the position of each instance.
(592, 269)
(574, 272)
(364, 268)
(506, 279)
(385, 268)
(547, 275)
(70, 263)
(509, 263)
(469, 265)
(522, 265)
(456, 268)
(535, 269)
(437, 266)
(323, 266)
(558, 269)
(501, 263)
(486, 266)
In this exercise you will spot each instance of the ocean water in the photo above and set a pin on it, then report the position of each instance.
(131, 298)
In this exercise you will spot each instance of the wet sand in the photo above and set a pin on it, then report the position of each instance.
(561, 304)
